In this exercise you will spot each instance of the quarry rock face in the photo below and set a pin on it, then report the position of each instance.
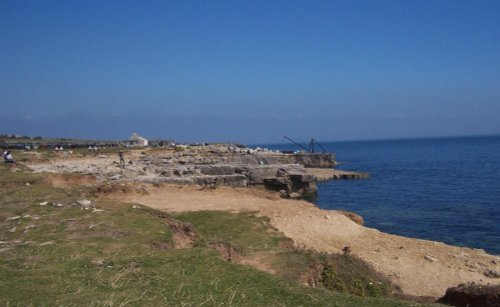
(210, 166)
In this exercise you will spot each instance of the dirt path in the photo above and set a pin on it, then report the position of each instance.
(422, 268)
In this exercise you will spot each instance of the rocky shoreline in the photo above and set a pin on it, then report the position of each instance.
(294, 175)
(216, 178)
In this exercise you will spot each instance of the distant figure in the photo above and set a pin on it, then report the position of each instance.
(94, 149)
(122, 160)
(4, 156)
(8, 158)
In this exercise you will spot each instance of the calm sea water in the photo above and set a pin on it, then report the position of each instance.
(445, 189)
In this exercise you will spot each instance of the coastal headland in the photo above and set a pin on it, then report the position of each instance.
(293, 175)
(221, 178)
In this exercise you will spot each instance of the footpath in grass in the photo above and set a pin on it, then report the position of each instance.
(54, 251)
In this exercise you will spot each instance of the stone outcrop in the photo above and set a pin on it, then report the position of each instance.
(472, 295)
(315, 160)
(211, 165)
(322, 174)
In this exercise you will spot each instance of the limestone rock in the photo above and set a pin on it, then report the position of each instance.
(215, 165)
(47, 243)
(85, 203)
(430, 258)
(295, 195)
(356, 218)
(472, 295)
(492, 274)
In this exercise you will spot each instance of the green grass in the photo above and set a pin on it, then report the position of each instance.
(112, 258)
(250, 235)
(351, 275)
(243, 231)
(13, 175)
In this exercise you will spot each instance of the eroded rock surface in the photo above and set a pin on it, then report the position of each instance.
(206, 166)
(472, 295)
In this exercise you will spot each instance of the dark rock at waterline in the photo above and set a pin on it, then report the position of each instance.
(356, 218)
(472, 295)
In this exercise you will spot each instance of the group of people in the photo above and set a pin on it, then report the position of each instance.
(7, 157)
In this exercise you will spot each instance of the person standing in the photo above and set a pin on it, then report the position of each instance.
(122, 159)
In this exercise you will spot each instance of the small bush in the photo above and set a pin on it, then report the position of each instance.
(349, 274)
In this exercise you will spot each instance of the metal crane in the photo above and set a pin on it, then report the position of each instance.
(312, 145)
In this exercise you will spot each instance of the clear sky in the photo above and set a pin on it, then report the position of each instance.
(250, 71)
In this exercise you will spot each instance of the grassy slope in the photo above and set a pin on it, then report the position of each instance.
(80, 257)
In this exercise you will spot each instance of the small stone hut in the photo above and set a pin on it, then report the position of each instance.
(137, 140)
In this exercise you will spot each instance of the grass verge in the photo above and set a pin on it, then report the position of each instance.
(53, 252)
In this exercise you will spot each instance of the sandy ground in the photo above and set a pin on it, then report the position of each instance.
(422, 268)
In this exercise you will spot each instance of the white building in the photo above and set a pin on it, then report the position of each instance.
(137, 140)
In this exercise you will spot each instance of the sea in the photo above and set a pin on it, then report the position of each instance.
(440, 189)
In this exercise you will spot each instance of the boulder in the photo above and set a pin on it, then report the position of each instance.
(85, 203)
(356, 218)
(472, 295)
(492, 274)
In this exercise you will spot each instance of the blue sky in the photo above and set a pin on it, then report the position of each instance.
(250, 71)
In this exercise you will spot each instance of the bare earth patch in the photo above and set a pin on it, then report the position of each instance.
(66, 180)
(419, 267)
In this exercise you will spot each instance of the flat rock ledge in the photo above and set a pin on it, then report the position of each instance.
(211, 165)
(324, 174)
